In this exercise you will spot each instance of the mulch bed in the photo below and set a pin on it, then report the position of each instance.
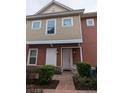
(78, 86)
(34, 90)
(51, 85)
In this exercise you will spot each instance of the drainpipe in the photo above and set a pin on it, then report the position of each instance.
(81, 54)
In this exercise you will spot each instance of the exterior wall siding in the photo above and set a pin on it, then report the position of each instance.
(62, 33)
(89, 46)
(54, 8)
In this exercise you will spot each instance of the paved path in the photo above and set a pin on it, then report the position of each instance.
(66, 91)
(66, 81)
(65, 85)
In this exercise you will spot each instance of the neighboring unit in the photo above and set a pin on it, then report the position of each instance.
(60, 36)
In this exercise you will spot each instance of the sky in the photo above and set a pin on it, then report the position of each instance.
(32, 6)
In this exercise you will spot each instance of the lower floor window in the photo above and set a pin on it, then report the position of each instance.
(32, 56)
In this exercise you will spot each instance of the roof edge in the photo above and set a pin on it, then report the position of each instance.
(80, 11)
(53, 2)
(89, 14)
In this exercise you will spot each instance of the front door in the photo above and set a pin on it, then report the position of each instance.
(67, 58)
(51, 56)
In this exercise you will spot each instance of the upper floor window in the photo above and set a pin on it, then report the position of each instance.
(32, 58)
(67, 22)
(36, 24)
(90, 22)
(51, 26)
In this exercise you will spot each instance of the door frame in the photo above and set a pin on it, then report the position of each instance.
(72, 55)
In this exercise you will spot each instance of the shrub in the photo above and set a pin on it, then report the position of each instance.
(83, 69)
(85, 83)
(31, 73)
(45, 73)
(58, 70)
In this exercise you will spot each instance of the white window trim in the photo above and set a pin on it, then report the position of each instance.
(28, 63)
(67, 18)
(33, 23)
(91, 19)
(47, 25)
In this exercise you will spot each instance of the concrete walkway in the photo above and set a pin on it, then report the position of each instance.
(66, 91)
(66, 81)
(65, 85)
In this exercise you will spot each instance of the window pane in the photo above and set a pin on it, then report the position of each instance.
(90, 22)
(51, 27)
(51, 23)
(67, 22)
(36, 25)
(50, 30)
(33, 53)
(32, 60)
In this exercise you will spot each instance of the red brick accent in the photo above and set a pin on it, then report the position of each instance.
(76, 55)
(89, 42)
(42, 52)
(27, 48)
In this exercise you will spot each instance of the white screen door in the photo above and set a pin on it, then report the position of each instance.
(51, 56)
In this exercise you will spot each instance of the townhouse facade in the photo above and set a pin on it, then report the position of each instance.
(61, 36)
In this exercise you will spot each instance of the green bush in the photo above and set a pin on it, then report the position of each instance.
(31, 72)
(83, 69)
(85, 83)
(58, 70)
(45, 73)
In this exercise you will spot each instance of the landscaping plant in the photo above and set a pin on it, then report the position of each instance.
(86, 78)
(45, 73)
(83, 69)
(85, 83)
(58, 70)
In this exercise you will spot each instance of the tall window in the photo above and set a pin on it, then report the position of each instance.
(67, 22)
(51, 26)
(90, 22)
(32, 60)
(36, 24)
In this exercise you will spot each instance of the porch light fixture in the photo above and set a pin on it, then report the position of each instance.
(51, 45)
(79, 44)
(57, 51)
(74, 51)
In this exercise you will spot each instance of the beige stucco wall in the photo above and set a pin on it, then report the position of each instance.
(62, 33)
(54, 8)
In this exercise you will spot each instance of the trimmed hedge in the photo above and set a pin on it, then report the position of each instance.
(45, 73)
(86, 79)
(31, 72)
(83, 69)
(39, 74)
(58, 70)
(85, 83)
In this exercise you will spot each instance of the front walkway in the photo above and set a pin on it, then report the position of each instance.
(65, 85)
(66, 81)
